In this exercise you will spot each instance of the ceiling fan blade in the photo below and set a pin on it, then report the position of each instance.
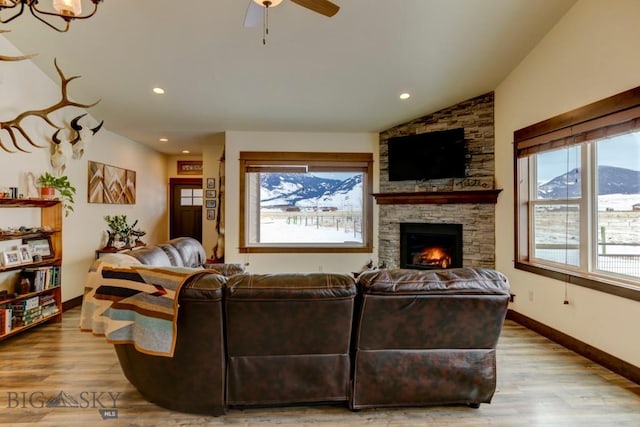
(254, 14)
(323, 7)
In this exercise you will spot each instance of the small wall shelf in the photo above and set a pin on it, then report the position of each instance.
(437, 197)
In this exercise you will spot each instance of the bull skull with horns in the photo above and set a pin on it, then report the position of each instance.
(83, 136)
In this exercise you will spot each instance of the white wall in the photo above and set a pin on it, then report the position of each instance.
(590, 54)
(23, 86)
(291, 141)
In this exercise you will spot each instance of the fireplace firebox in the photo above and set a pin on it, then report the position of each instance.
(428, 246)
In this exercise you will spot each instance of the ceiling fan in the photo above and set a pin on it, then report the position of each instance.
(259, 8)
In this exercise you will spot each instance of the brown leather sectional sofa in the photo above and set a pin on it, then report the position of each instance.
(393, 338)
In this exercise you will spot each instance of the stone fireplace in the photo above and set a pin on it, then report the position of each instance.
(438, 202)
(428, 246)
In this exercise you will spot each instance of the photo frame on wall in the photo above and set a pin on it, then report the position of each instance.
(111, 184)
(211, 183)
(211, 214)
(210, 194)
(210, 204)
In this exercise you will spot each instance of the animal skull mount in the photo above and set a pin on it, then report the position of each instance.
(83, 136)
(15, 125)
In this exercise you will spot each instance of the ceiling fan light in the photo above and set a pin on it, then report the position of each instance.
(68, 7)
(271, 3)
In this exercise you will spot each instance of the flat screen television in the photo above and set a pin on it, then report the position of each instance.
(431, 155)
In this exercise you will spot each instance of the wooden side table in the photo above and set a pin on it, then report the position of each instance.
(114, 250)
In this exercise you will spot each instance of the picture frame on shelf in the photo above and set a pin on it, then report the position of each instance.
(10, 258)
(25, 254)
(210, 194)
(211, 183)
(40, 246)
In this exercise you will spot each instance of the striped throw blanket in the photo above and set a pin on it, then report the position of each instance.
(135, 304)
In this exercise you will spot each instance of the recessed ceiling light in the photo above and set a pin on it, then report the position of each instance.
(405, 95)
(158, 90)
(185, 151)
(164, 139)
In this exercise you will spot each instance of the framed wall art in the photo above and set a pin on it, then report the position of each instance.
(189, 167)
(210, 194)
(111, 184)
(211, 183)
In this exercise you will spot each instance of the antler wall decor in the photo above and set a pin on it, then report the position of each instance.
(15, 125)
(14, 58)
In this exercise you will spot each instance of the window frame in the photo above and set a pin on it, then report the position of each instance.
(254, 160)
(614, 115)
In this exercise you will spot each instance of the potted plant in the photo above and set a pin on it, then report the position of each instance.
(48, 186)
(121, 232)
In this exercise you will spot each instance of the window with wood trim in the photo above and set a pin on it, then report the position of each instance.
(578, 196)
(305, 202)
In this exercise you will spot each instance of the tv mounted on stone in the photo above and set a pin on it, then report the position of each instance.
(431, 155)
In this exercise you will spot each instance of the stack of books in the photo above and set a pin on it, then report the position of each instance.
(26, 311)
(41, 278)
(6, 320)
(48, 305)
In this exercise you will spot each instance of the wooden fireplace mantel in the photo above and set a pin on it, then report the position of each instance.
(437, 197)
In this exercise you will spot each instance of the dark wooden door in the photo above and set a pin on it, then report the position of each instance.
(185, 201)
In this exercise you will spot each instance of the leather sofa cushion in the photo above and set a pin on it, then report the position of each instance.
(457, 281)
(297, 286)
(151, 255)
(174, 256)
(190, 250)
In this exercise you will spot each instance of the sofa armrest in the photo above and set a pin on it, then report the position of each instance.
(227, 270)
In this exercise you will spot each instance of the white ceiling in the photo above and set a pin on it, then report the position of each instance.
(315, 74)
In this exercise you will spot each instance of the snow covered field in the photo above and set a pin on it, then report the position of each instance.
(618, 233)
(337, 227)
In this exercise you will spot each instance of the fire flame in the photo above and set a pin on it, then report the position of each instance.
(434, 255)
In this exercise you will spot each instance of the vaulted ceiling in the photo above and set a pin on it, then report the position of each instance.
(315, 74)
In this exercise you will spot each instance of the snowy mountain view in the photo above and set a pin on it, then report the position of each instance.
(307, 191)
(611, 180)
(617, 220)
(303, 208)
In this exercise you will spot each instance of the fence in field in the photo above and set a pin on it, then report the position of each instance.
(347, 221)
(612, 257)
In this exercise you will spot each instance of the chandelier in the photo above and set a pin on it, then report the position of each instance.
(67, 10)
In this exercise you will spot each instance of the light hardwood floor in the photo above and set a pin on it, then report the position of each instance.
(539, 384)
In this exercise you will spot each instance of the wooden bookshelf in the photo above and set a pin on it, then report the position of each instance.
(50, 227)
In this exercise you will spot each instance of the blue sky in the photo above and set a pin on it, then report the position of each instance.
(622, 151)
